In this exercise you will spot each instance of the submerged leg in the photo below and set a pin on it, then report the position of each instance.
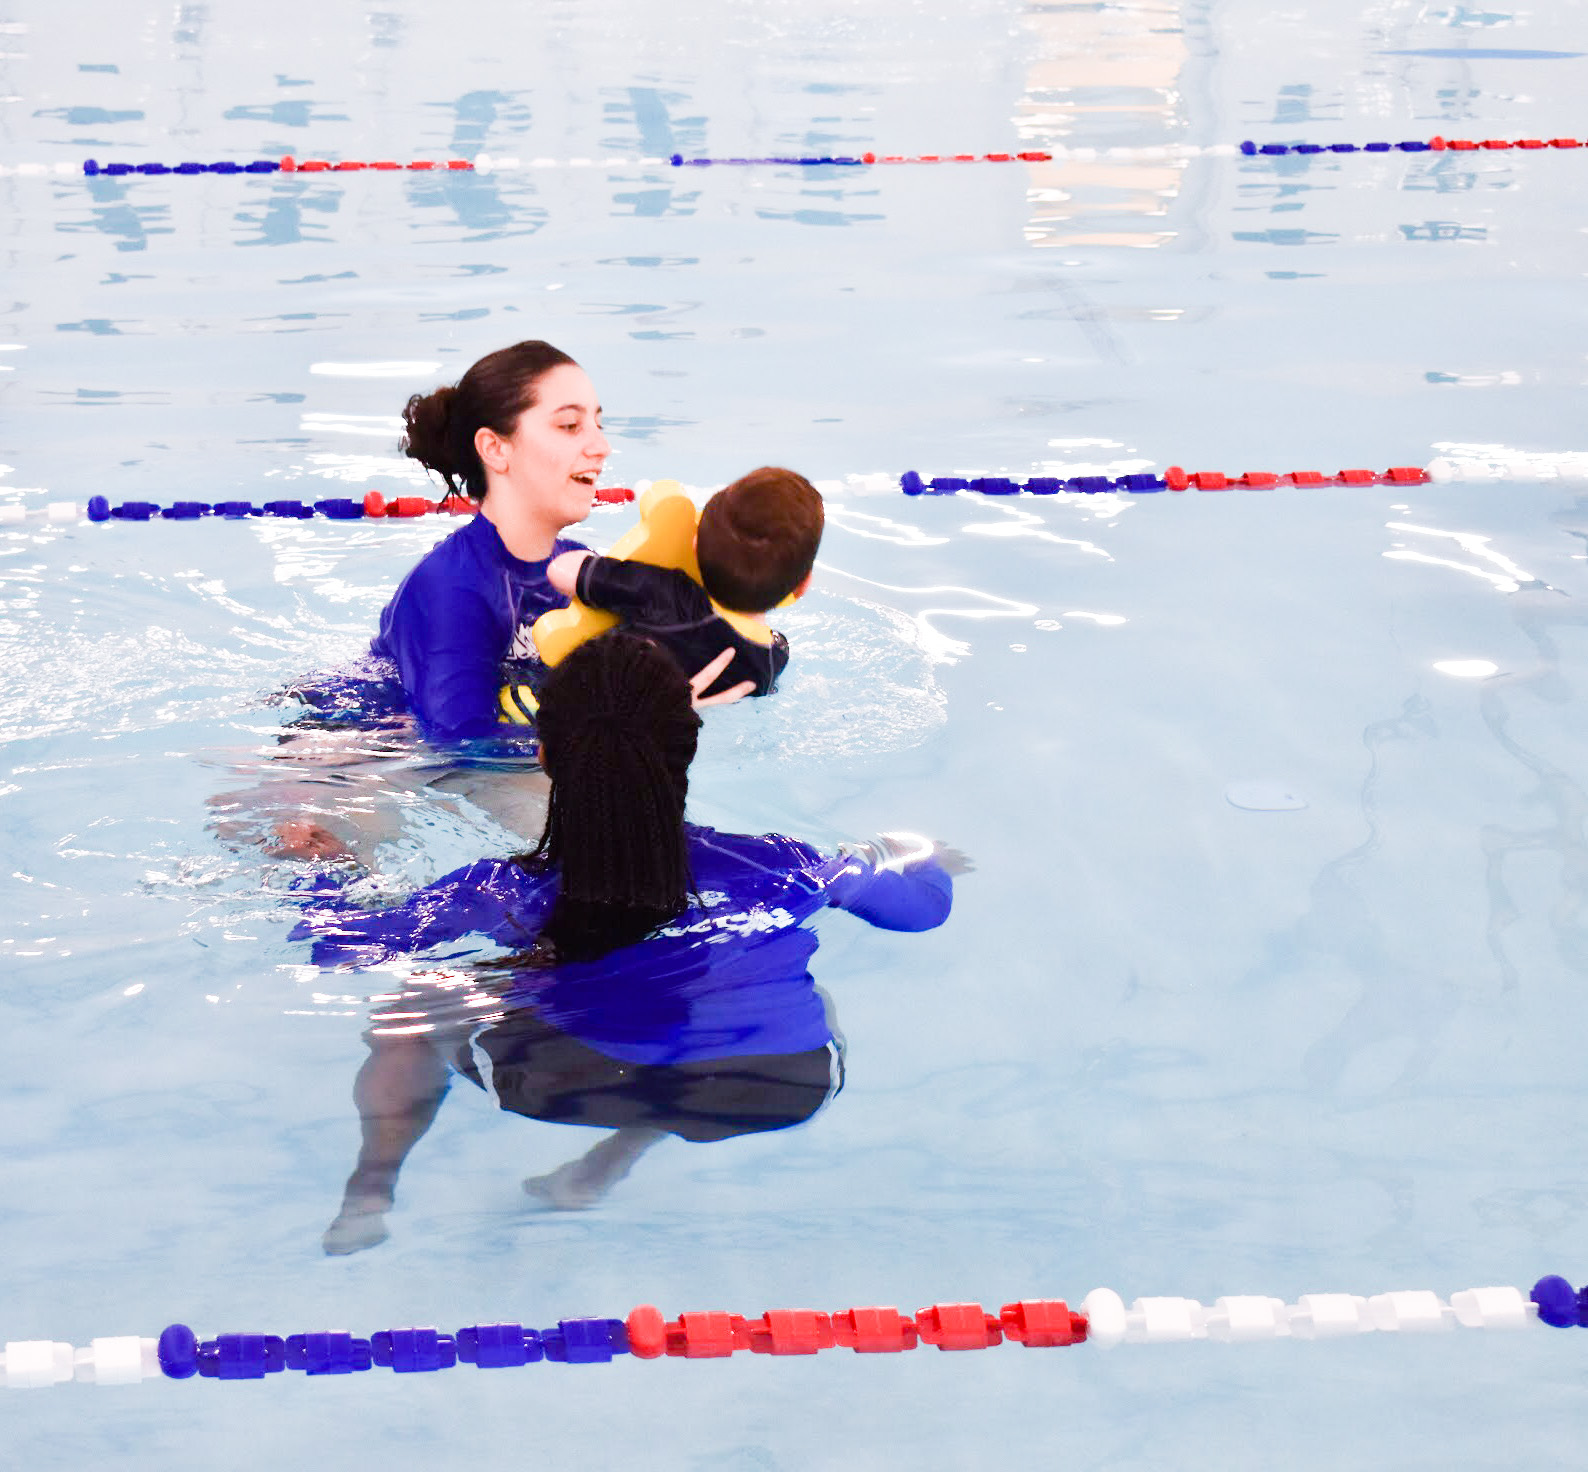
(398, 1091)
(583, 1182)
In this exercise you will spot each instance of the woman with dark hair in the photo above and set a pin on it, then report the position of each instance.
(519, 434)
(655, 977)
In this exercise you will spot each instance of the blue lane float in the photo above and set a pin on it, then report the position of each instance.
(93, 168)
(912, 483)
(338, 508)
(402, 1351)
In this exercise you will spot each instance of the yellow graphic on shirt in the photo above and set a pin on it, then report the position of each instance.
(518, 705)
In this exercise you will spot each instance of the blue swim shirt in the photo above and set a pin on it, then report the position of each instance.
(466, 608)
(729, 977)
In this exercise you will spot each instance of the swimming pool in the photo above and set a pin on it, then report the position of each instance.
(1166, 1043)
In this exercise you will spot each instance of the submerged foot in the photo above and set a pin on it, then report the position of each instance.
(355, 1229)
(567, 1188)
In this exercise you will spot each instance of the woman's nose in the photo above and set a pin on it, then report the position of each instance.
(600, 447)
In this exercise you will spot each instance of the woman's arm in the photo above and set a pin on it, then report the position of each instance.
(450, 664)
(562, 572)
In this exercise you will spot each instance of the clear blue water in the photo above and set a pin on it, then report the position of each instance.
(1166, 1043)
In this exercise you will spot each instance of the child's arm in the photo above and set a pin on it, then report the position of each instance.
(634, 589)
(893, 885)
(562, 572)
(479, 898)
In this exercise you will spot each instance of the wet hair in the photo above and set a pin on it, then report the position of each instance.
(757, 539)
(441, 425)
(617, 734)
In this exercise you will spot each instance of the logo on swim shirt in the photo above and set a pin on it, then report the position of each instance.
(741, 923)
(523, 645)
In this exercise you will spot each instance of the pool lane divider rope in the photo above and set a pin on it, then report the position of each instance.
(1569, 466)
(372, 505)
(492, 164)
(1173, 479)
(1103, 1319)
(1059, 154)
(287, 165)
(1436, 144)
(1444, 470)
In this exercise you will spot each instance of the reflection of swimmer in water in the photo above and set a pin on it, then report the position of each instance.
(658, 979)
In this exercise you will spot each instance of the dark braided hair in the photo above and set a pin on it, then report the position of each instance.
(617, 734)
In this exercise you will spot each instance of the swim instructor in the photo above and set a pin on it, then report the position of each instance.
(520, 435)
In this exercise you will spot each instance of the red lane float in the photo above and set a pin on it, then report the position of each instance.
(1034, 1323)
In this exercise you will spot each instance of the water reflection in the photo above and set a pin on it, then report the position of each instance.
(1106, 74)
(1386, 1037)
(282, 220)
(112, 213)
(296, 112)
(968, 603)
(1409, 975)
(646, 113)
(1557, 786)
(1501, 573)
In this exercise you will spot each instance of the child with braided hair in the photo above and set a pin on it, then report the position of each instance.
(649, 976)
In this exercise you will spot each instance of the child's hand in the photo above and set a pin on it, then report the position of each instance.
(952, 860)
(902, 851)
(562, 572)
(704, 678)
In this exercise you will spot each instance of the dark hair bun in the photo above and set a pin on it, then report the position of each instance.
(427, 437)
(491, 395)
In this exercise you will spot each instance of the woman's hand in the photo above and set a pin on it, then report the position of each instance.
(703, 681)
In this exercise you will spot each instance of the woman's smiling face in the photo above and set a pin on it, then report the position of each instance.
(550, 462)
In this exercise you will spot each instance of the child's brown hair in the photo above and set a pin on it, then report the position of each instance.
(757, 539)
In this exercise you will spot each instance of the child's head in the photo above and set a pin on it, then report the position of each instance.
(757, 539)
(617, 735)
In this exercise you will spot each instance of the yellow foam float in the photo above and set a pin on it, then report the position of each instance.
(664, 536)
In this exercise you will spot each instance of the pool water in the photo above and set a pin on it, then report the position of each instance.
(1269, 977)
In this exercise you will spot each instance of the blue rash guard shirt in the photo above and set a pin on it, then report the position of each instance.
(728, 978)
(464, 610)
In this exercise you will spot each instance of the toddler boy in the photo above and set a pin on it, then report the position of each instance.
(756, 543)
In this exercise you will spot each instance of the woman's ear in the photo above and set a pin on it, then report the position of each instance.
(492, 449)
